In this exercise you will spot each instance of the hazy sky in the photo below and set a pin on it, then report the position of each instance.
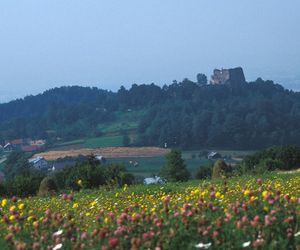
(49, 43)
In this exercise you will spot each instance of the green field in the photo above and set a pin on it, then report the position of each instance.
(125, 121)
(104, 141)
(149, 166)
(68, 143)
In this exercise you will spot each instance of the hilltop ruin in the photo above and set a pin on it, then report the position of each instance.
(224, 76)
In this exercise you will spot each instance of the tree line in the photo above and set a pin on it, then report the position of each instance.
(183, 114)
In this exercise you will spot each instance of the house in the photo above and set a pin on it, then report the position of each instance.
(101, 158)
(59, 165)
(8, 147)
(17, 143)
(153, 180)
(39, 162)
(29, 148)
(37, 143)
(213, 155)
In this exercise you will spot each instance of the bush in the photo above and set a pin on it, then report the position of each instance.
(275, 158)
(221, 169)
(117, 174)
(47, 187)
(24, 185)
(175, 168)
(92, 174)
(204, 172)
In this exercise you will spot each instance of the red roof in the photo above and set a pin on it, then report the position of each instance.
(29, 148)
(17, 142)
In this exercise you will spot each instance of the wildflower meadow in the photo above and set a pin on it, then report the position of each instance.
(237, 213)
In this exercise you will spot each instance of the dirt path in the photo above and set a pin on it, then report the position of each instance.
(109, 152)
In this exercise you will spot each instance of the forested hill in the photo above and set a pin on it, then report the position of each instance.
(186, 114)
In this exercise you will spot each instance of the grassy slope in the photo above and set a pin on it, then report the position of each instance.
(126, 121)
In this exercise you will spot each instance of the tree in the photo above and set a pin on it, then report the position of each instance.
(201, 79)
(204, 172)
(175, 168)
(16, 164)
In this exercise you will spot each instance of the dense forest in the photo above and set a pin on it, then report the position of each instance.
(183, 114)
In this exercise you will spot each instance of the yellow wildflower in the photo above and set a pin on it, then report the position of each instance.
(246, 192)
(93, 203)
(3, 202)
(75, 205)
(21, 206)
(12, 208)
(218, 194)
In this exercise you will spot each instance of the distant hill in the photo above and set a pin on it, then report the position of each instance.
(185, 114)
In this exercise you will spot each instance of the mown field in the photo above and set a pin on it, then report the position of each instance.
(239, 213)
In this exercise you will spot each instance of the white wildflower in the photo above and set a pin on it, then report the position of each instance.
(58, 246)
(59, 232)
(246, 244)
(297, 234)
(202, 245)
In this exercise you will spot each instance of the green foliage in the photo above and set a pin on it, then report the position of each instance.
(248, 115)
(92, 174)
(221, 169)
(126, 140)
(23, 185)
(175, 168)
(204, 172)
(104, 141)
(16, 164)
(47, 187)
(201, 79)
(117, 174)
(274, 158)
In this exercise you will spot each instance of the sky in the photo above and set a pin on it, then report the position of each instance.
(109, 43)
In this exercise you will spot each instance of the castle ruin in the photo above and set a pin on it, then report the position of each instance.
(224, 76)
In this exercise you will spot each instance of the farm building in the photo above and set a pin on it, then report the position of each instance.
(8, 147)
(153, 180)
(39, 162)
(101, 158)
(213, 155)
